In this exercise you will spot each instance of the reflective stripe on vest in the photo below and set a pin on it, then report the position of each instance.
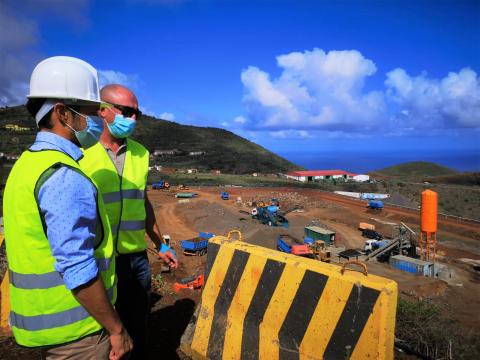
(124, 196)
(116, 196)
(47, 280)
(126, 225)
(50, 321)
(43, 311)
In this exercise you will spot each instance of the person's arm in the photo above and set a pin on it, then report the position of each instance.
(155, 235)
(67, 202)
(93, 297)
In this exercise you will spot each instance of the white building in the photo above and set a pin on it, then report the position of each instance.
(318, 175)
(361, 178)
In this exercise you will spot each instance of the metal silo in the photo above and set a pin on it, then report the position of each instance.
(429, 215)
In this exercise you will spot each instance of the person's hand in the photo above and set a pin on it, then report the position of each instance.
(121, 345)
(169, 259)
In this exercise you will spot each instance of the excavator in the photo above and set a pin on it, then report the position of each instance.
(270, 215)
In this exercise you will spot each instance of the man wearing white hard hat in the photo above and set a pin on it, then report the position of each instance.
(58, 238)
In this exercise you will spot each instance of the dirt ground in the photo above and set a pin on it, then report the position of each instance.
(207, 212)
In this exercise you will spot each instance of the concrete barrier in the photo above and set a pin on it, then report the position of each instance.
(4, 298)
(259, 303)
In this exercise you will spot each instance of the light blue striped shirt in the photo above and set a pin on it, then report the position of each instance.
(67, 202)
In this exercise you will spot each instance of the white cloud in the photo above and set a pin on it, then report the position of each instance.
(453, 101)
(16, 61)
(105, 77)
(167, 116)
(240, 120)
(316, 90)
(324, 92)
(19, 37)
(237, 123)
(290, 134)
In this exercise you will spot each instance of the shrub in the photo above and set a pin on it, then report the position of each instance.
(424, 329)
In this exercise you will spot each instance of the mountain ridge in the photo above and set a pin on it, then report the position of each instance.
(204, 148)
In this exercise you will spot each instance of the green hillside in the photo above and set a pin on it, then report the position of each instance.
(467, 179)
(222, 149)
(415, 169)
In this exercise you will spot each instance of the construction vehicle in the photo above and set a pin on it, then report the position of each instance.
(290, 245)
(196, 246)
(402, 244)
(371, 234)
(192, 283)
(375, 205)
(162, 184)
(372, 244)
(270, 215)
(320, 251)
(273, 202)
(364, 226)
(225, 195)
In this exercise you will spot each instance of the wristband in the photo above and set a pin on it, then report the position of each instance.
(165, 248)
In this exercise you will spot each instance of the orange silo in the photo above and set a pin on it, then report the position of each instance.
(429, 211)
(428, 216)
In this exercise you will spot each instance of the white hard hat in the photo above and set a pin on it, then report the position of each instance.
(65, 77)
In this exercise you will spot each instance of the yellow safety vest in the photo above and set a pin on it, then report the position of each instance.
(43, 311)
(124, 196)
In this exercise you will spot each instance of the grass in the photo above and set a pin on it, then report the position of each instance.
(465, 179)
(416, 169)
(422, 327)
(208, 179)
(463, 201)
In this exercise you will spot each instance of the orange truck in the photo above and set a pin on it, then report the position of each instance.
(365, 226)
(290, 245)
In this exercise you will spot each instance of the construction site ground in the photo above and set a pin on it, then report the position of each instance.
(184, 219)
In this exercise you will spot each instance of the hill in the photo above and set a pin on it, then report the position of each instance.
(466, 179)
(416, 169)
(178, 146)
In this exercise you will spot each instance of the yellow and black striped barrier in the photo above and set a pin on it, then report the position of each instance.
(259, 303)
(4, 297)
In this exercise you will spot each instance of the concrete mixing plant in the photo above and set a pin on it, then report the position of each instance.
(428, 238)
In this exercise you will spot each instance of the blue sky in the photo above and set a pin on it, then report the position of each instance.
(295, 76)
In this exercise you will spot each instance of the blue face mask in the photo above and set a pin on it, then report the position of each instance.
(91, 134)
(122, 126)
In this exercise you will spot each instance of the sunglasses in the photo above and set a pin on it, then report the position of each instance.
(125, 110)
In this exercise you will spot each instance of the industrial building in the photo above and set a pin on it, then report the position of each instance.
(411, 265)
(318, 233)
(319, 175)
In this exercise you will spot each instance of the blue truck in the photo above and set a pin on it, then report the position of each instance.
(162, 184)
(270, 215)
(196, 246)
(372, 245)
(375, 204)
(225, 195)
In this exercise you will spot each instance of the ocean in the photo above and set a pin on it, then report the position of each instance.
(365, 161)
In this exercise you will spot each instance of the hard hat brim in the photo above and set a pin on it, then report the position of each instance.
(71, 101)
